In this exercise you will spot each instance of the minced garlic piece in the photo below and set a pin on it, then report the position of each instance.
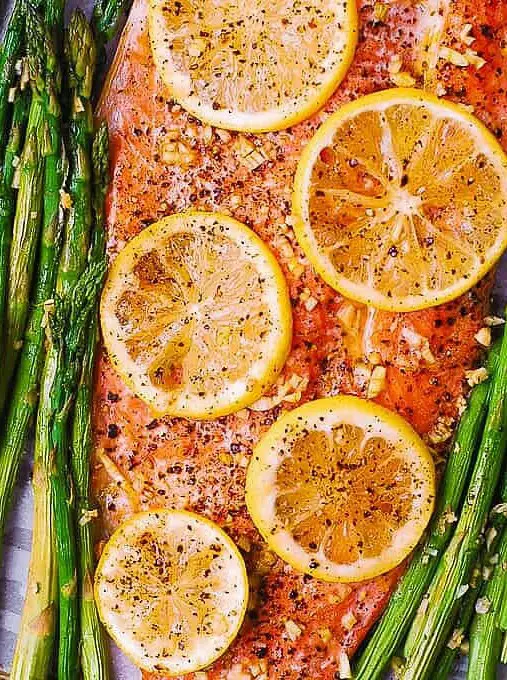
(201, 675)
(362, 375)
(476, 376)
(483, 336)
(225, 458)
(474, 59)
(377, 382)
(177, 153)
(291, 390)
(482, 605)
(293, 630)
(295, 267)
(223, 135)
(88, 516)
(453, 56)
(380, 11)
(238, 673)
(456, 638)
(248, 153)
(419, 345)
(465, 36)
(325, 635)
(494, 321)
(244, 543)
(395, 64)
(311, 303)
(284, 247)
(403, 79)
(349, 621)
(441, 431)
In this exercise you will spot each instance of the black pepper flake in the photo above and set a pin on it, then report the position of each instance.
(113, 431)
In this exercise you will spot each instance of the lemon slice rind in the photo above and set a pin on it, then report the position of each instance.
(322, 415)
(260, 372)
(344, 284)
(290, 111)
(152, 644)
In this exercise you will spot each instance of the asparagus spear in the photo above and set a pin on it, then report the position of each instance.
(25, 232)
(433, 622)
(106, 19)
(7, 191)
(68, 330)
(8, 56)
(479, 577)
(407, 596)
(23, 401)
(445, 663)
(94, 659)
(35, 643)
(485, 632)
(80, 53)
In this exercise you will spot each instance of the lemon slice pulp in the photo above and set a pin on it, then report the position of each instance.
(341, 488)
(253, 66)
(171, 589)
(401, 200)
(196, 315)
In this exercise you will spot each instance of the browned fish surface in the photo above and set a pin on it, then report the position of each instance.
(201, 466)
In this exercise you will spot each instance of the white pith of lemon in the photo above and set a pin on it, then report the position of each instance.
(400, 200)
(171, 589)
(341, 488)
(255, 66)
(196, 315)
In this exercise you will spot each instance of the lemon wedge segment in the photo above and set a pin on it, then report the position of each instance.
(196, 315)
(252, 66)
(171, 589)
(400, 200)
(341, 488)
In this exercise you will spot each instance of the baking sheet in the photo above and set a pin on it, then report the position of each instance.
(17, 543)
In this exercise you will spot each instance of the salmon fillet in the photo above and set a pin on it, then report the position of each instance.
(201, 466)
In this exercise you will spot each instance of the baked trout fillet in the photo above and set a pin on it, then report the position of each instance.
(164, 161)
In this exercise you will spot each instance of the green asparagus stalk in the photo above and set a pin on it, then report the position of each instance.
(106, 20)
(36, 640)
(35, 644)
(94, 658)
(68, 330)
(485, 633)
(446, 660)
(80, 54)
(479, 578)
(433, 622)
(7, 191)
(26, 228)
(9, 55)
(23, 401)
(408, 595)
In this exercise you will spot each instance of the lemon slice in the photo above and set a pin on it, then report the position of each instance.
(400, 200)
(341, 488)
(196, 315)
(253, 66)
(171, 589)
